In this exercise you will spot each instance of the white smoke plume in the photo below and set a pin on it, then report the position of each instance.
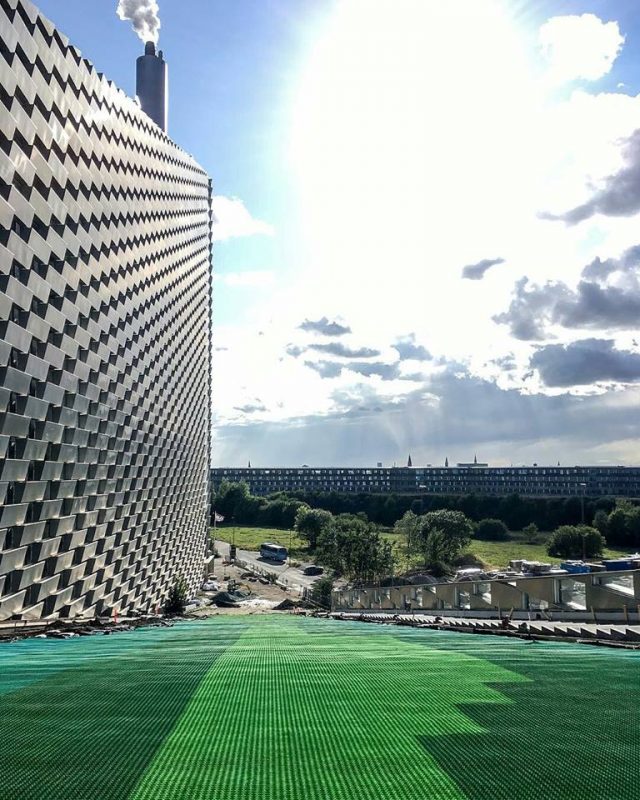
(144, 16)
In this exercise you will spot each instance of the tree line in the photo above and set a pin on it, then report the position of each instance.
(236, 503)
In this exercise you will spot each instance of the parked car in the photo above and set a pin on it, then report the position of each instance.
(312, 569)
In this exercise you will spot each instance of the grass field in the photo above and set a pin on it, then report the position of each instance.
(273, 708)
(251, 538)
(493, 554)
(498, 554)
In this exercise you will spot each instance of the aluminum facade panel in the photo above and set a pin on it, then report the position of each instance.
(105, 285)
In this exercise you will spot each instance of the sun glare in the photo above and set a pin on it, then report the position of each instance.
(407, 115)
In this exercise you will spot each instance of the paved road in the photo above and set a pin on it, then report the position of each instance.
(291, 575)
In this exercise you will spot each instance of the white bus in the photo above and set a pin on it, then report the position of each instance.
(273, 552)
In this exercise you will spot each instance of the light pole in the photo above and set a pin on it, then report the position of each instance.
(583, 487)
(215, 522)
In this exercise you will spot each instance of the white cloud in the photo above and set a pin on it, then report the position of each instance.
(401, 177)
(580, 46)
(452, 415)
(233, 220)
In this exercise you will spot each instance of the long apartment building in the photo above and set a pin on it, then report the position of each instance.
(461, 479)
(105, 283)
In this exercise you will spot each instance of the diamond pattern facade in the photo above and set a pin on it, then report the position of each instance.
(105, 285)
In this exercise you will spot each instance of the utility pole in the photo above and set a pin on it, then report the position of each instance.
(213, 568)
(583, 487)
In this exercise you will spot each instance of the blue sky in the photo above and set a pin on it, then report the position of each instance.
(427, 221)
(232, 70)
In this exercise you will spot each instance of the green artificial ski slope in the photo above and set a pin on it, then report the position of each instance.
(281, 708)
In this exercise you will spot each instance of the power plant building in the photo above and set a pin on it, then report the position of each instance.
(105, 286)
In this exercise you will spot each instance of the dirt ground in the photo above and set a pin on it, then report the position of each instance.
(264, 596)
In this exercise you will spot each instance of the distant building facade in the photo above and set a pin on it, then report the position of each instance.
(461, 479)
(105, 283)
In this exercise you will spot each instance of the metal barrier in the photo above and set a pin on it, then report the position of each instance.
(583, 593)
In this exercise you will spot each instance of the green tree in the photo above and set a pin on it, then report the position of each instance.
(408, 528)
(321, 591)
(289, 513)
(623, 525)
(229, 498)
(576, 541)
(492, 530)
(601, 522)
(353, 547)
(531, 533)
(390, 511)
(247, 509)
(512, 511)
(279, 512)
(442, 536)
(437, 558)
(311, 522)
(633, 527)
(617, 525)
(417, 506)
(469, 505)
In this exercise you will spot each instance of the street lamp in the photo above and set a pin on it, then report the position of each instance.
(583, 487)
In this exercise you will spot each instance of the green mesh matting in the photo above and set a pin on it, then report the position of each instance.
(281, 708)
(92, 712)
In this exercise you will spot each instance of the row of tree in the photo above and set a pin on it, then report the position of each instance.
(547, 513)
(440, 537)
(235, 502)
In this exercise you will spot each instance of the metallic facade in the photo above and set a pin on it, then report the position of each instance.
(105, 283)
(468, 479)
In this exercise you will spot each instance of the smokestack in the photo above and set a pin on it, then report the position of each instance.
(152, 85)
